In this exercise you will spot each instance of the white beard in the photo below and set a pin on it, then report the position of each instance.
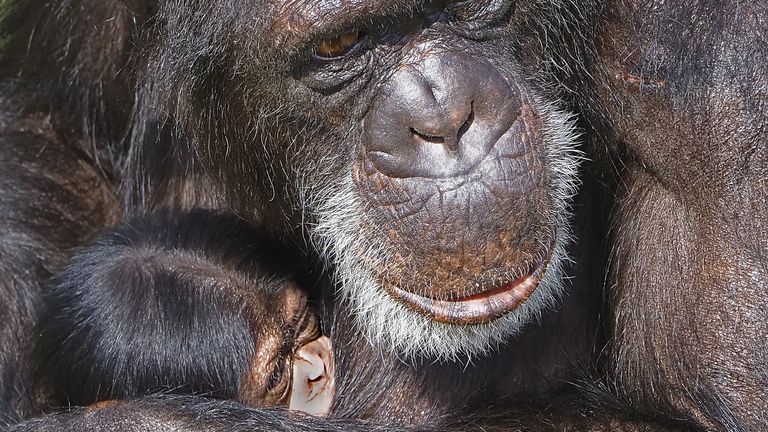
(391, 325)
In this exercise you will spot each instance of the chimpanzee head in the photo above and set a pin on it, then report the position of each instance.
(415, 142)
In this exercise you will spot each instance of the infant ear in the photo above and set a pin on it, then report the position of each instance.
(313, 378)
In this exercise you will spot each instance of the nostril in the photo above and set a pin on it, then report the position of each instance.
(428, 138)
(454, 139)
(467, 123)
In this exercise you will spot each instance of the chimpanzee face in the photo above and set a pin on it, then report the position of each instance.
(413, 141)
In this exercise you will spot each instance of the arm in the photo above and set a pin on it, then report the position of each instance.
(686, 290)
(190, 414)
(52, 198)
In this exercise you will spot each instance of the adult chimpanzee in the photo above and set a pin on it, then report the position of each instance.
(422, 150)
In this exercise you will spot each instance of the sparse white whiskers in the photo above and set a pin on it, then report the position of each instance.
(389, 324)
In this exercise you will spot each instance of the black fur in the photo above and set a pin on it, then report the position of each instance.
(187, 414)
(112, 109)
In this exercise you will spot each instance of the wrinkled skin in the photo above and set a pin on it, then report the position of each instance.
(225, 107)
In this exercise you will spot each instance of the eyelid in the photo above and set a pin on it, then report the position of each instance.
(481, 7)
(302, 23)
(360, 39)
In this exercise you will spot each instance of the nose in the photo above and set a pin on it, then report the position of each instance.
(436, 122)
(438, 118)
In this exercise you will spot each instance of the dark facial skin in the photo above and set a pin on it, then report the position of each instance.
(428, 128)
(415, 157)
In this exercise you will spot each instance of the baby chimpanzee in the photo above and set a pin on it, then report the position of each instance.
(189, 269)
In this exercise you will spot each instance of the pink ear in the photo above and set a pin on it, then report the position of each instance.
(313, 378)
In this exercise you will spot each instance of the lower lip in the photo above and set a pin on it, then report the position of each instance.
(478, 308)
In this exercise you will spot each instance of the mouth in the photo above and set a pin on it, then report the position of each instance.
(477, 308)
